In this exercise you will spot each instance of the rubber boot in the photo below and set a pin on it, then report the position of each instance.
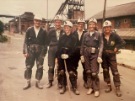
(76, 91)
(90, 91)
(38, 85)
(118, 92)
(109, 88)
(96, 93)
(62, 90)
(28, 85)
(49, 85)
(85, 85)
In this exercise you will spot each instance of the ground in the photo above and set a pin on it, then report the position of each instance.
(12, 79)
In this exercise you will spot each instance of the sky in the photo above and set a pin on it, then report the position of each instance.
(39, 7)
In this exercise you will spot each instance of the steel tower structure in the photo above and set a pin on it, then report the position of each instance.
(72, 9)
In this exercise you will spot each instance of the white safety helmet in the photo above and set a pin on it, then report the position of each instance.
(37, 18)
(68, 23)
(81, 20)
(58, 17)
(93, 20)
(107, 23)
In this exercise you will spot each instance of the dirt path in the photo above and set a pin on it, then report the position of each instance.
(11, 80)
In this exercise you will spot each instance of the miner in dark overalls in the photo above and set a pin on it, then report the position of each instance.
(35, 48)
(53, 38)
(79, 33)
(91, 51)
(65, 53)
(112, 43)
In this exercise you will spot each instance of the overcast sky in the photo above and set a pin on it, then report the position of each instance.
(39, 7)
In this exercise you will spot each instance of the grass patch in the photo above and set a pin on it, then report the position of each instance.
(3, 38)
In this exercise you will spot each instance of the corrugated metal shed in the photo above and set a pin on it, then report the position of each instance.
(118, 11)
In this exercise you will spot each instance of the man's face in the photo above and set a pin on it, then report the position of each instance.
(58, 24)
(80, 26)
(92, 26)
(37, 23)
(67, 29)
(107, 29)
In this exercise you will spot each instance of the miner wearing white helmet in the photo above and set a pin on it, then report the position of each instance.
(35, 48)
(107, 23)
(53, 39)
(91, 52)
(66, 46)
(93, 20)
(37, 18)
(79, 33)
(112, 43)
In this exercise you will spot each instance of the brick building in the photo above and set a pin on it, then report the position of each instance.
(22, 22)
(123, 21)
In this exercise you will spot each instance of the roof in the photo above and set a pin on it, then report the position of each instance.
(27, 16)
(128, 34)
(118, 11)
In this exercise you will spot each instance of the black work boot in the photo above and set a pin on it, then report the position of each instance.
(76, 91)
(62, 90)
(38, 85)
(27, 86)
(49, 85)
(118, 92)
(109, 88)
(85, 85)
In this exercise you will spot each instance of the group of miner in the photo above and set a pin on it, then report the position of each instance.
(65, 48)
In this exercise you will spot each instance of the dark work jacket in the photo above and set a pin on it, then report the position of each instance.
(66, 45)
(30, 38)
(79, 42)
(52, 38)
(96, 41)
(114, 42)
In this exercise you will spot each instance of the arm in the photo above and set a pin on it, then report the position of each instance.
(25, 44)
(101, 44)
(119, 43)
(45, 42)
(49, 37)
(82, 46)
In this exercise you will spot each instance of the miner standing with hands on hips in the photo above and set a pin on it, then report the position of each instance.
(112, 43)
(35, 48)
(91, 53)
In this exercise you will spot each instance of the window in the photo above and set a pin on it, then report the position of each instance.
(117, 23)
(125, 20)
(133, 22)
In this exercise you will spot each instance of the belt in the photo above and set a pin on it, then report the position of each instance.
(109, 51)
(92, 49)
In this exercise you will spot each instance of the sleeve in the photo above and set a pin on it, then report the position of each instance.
(119, 42)
(58, 52)
(82, 46)
(25, 44)
(49, 37)
(45, 42)
(101, 45)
